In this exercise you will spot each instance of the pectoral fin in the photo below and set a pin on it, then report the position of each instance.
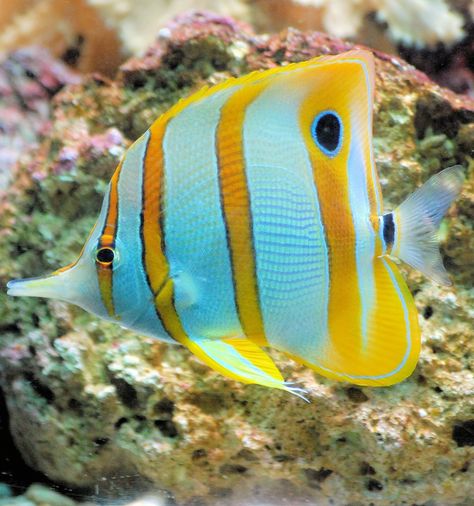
(242, 360)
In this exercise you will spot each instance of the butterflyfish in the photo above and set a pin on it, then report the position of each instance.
(249, 216)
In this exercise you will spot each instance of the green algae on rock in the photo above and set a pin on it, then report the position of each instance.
(117, 404)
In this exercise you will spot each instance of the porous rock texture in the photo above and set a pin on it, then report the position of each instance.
(88, 400)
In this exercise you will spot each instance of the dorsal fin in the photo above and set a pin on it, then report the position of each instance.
(257, 75)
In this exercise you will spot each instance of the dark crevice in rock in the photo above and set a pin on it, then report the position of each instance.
(125, 392)
(233, 469)
(316, 476)
(120, 422)
(437, 113)
(166, 427)
(101, 441)
(14, 328)
(165, 406)
(463, 433)
(164, 410)
(141, 424)
(427, 312)
(465, 467)
(374, 485)
(281, 457)
(356, 395)
(366, 469)
(75, 405)
(198, 454)
(42, 390)
(421, 380)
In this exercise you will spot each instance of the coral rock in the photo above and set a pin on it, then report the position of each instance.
(95, 34)
(72, 30)
(29, 78)
(117, 404)
(418, 23)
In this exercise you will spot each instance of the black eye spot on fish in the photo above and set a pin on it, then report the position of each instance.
(105, 256)
(327, 132)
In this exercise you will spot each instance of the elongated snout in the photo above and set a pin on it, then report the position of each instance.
(51, 287)
(71, 284)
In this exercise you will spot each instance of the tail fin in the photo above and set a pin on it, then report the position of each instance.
(417, 220)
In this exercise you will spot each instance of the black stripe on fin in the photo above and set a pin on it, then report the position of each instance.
(388, 230)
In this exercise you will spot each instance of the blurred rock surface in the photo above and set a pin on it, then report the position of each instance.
(96, 35)
(419, 23)
(40, 495)
(29, 78)
(72, 30)
(115, 403)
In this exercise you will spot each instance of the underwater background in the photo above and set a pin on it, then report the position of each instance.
(92, 414)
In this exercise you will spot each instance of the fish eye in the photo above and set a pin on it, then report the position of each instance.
(105, 256)
(327, 132)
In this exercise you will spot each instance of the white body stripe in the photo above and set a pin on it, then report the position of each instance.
(364, 234)
(195, 234)
(290, 248)
(125, 280)
(97, 305)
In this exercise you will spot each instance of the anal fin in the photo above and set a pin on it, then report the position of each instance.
(242, 360)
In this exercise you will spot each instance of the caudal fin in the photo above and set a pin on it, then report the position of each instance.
(417, 220)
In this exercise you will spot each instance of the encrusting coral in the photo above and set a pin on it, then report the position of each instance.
(119, 405)
(412, 22)
(420, 22)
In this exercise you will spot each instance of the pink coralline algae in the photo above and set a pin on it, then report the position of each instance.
(29, 78)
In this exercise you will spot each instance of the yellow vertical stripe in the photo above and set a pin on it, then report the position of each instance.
(154, 257)
(236, 208)
(107, 239)
(332, 91)
(155, 262)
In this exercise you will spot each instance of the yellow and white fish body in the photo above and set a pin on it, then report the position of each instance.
(249, 216)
